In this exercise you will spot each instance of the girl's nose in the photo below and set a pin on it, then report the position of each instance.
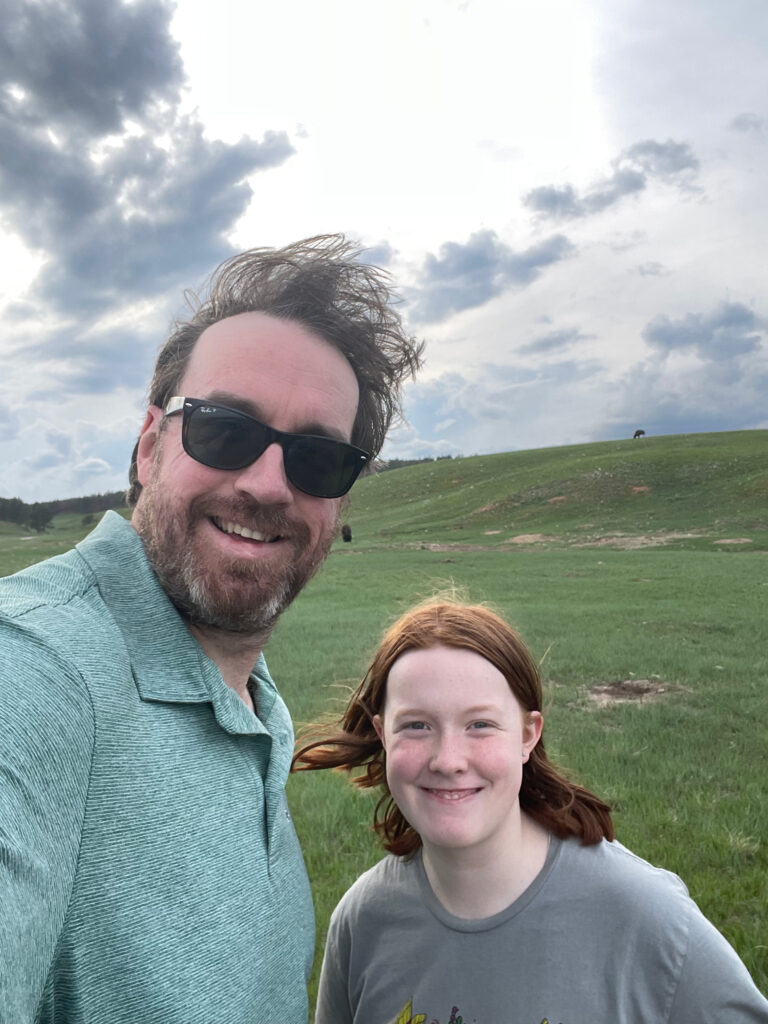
(448, 756)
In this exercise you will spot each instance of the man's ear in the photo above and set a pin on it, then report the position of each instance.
(378, 725)
(148, 438)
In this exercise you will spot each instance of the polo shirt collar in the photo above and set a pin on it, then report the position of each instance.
(168, 663)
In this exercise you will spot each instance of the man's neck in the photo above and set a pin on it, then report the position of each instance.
(234, 656)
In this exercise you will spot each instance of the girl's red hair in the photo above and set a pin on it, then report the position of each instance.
(561, 806)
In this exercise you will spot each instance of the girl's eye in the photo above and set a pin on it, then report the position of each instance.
(481, 725)
(415, 726)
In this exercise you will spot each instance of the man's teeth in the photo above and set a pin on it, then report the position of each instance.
(242, 531)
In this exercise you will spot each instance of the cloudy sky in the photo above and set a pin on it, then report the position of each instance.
(571, 195)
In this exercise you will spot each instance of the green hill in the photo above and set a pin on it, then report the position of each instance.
(654, 661)
(691, 490)
(704, 491)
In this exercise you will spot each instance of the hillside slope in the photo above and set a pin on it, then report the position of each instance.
(686, 489)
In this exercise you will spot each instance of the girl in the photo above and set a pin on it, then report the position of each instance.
(505, 899)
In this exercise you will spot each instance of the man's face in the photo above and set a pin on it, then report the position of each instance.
(232, 548)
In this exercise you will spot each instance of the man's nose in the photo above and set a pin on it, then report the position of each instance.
(265, 479)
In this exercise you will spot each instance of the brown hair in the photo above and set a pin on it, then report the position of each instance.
(323, 284)
(561, 806)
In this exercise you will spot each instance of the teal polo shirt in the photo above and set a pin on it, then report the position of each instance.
(149, 869)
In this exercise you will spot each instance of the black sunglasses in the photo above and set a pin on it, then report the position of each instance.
(225, 438)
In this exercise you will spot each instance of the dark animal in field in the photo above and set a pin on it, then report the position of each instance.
(346, 533)
(638, 433)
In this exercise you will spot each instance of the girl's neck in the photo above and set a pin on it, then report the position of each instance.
(477, 883)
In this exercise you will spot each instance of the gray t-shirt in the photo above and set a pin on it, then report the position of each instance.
(599, 937)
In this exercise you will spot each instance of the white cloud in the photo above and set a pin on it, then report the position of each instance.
(571, 194)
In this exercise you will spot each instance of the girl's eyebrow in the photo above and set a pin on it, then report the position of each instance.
(478, 709)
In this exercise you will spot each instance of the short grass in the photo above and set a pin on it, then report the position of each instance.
(654, 596)
(689, 490)
(20, 546)
(686, 770)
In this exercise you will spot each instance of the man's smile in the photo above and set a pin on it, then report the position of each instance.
(227, 526)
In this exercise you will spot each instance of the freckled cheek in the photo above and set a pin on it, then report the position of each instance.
(404, 764)
(499, 765)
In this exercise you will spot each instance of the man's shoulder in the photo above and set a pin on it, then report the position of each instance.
(50, 613)
(58, 582)
(41, 609)
(42, 689)
(49, 584)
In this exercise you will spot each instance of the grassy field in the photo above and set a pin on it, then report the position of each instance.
(638, 572)
(620, 562)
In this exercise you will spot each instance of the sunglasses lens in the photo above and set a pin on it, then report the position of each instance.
(222, 438)
(325, 469)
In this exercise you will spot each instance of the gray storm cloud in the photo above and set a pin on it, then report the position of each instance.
(670, 162)
(729, 331)
(465, 275)
(101, 171)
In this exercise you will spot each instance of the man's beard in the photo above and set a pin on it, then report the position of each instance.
(236, 596)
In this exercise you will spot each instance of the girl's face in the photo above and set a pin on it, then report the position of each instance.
(456, 740)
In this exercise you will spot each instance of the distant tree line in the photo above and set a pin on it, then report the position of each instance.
(38, 515)
(400, 463)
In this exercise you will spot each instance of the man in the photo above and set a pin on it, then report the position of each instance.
(149, 871)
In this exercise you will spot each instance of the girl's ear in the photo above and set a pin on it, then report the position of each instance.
(534, 723)
(378, 725)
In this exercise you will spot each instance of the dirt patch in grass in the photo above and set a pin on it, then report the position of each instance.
(519, 541)
(432, 546)
(616, 539)
(626, 691)
(529, 538)
(631, 542)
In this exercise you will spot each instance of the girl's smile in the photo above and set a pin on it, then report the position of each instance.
(456, 740)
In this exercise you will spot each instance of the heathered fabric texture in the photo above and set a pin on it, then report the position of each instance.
(149, 869)
(599, 937)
